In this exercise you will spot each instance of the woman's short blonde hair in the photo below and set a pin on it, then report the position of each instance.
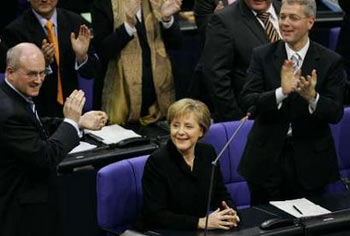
(187, 106)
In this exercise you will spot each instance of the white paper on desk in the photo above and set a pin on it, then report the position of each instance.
(113, 134)
(307, 207)
(83, 146)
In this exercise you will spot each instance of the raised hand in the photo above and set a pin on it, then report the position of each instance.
(131, 8)
(48, 50)
(289, 78)
(81, 43)
(73, 105)
(219, 6)
(306, 87)
(169, 8)
(93, 120)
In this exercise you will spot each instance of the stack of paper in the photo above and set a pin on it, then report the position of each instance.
(112, 134)
(83, 146)
(300, 207)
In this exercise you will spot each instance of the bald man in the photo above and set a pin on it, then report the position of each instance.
(32, 147)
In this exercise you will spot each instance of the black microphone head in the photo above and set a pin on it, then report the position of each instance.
(251, 112)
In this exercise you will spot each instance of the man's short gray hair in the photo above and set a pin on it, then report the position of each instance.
(310, 6)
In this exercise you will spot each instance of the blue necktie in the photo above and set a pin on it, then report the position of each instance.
(32, 107)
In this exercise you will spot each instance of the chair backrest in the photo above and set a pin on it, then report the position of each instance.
(119, 193)
(218, 135)
(344, 147)
(238, 187)
(333, 37)
(2, 77)
(87, 85)
(341, 135)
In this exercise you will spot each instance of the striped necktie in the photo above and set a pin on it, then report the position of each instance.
(53, 39)
(296, 59)
(270, 31)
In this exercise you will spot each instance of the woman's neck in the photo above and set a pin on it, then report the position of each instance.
(189, 158)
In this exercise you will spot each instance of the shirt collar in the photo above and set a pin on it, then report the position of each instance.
(302, 52)
(43, 20)
(26, 98)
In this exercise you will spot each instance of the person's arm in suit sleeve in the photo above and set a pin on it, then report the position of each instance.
(172, 36)
(34, 153)
(203, 9)
(218, 59)
(155, 200)
(253, 93)
(12, 36)
(330, 104)
(108, 42)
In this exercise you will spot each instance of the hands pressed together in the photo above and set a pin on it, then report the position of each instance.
(73, 107)
(293, 81)
(221, 219)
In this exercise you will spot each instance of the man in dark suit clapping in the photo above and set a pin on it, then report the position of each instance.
(65, 41)
(297, 88)
(232, 33)
(31, 147)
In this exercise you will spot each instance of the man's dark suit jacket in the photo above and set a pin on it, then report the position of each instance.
(3, 51)
(315, 157)
(28, 29)
(232, 33)
(28, 163)
(203, 9)
(109, 43)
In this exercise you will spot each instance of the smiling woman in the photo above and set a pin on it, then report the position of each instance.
(189, 120)
(176, 177)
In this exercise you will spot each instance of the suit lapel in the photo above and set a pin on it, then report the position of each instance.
(23, 103)
(35, 30)
(63, 31)
(280, 55)
(252, 23)
(310, 60)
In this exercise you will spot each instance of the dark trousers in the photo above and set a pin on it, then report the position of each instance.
(284, 184)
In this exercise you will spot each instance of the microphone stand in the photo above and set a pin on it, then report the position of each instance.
(214, 164)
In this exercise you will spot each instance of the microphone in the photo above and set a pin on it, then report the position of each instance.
(250, 113)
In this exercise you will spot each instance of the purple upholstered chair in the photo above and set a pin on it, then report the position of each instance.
(87, 85)
(238, 186)
(341, 135)
(333, 37)
(119, 194)
(218, 135)
(2, 77)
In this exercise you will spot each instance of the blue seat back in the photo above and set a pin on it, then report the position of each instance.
(119, 193)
